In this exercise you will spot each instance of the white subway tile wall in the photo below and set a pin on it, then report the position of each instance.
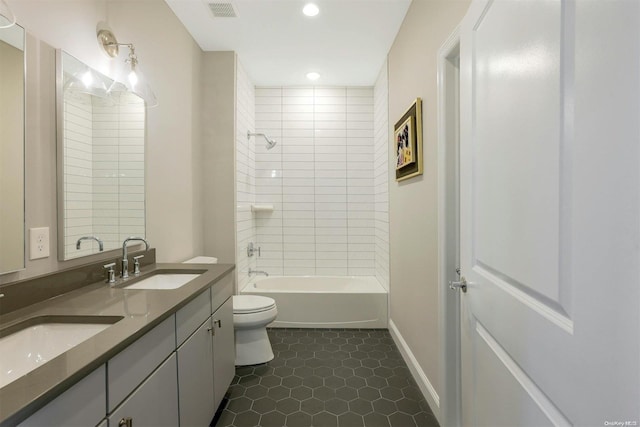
(381, 176)
(319, 178)
(104, 173)
(245, 174)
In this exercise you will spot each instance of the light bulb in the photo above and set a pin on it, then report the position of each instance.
(87, 79)
(310, 9)
(133, 78)
(313, 75)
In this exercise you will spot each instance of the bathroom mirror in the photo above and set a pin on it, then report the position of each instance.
(101, 137)
(12, 84)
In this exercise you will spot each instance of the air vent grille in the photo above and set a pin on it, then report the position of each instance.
(222, 10)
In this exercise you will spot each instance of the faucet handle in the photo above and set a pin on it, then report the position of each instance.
(136, 264)
(111, 274)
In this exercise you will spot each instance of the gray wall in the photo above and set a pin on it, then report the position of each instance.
(171, 61)
(413, 203)
(219, 109)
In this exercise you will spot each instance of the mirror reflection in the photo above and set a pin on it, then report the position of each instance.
(101, 136)
(12, 72)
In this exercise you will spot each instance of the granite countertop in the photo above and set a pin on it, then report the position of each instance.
(141, 311)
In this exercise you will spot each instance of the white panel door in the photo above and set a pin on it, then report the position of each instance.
(550, 212)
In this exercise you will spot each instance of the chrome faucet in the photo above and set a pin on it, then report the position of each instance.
(90, 238)
(125, 261)
(257, 272)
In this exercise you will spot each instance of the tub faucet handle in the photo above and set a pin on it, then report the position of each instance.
(251, 249)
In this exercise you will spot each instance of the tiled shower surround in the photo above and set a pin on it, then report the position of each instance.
(319, 179)
(381, 175)
(326, 179)
(245, 173)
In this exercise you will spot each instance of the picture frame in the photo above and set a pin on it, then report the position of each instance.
(407, 142)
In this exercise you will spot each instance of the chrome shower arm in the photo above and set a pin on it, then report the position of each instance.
(270, 142)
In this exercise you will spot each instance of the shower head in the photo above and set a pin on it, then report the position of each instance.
(270, 142)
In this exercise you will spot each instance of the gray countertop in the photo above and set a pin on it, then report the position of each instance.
(141, 311)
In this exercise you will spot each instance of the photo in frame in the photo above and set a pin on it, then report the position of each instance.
(407, 142)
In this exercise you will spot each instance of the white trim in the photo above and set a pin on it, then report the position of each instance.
(418, 374)
(448, 302)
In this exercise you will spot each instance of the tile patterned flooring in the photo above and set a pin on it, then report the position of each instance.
(324, 378)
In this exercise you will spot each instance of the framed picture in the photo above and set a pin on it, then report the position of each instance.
(407, 141)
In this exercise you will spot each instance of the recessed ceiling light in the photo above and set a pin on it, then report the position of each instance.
(310, 9)
(313, 75)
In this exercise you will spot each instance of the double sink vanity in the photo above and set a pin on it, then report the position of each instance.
(156, 349)
(152, 349)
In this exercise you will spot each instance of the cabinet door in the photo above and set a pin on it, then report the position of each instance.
(224, 351)
(127, 369)
(155, 402)
(195, 378)
(82, 405)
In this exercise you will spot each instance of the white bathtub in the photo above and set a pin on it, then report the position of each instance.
(324, 301)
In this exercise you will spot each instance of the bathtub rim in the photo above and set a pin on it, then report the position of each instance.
(376, 286)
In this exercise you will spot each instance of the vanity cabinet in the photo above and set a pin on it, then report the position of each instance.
(174, 375)
(206, 359)
(154, 403)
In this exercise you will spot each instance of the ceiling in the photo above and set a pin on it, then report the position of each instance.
(347, 42)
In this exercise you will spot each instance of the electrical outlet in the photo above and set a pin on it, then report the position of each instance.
(39, 242)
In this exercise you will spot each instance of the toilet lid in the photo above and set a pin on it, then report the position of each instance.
(244, 304)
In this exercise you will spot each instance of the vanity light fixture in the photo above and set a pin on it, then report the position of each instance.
(135, 81)
(7, 18)
(313, 76)
(310, 9)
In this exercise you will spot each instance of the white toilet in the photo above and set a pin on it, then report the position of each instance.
(251, 315)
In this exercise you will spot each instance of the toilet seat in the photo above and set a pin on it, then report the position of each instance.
(250, 304)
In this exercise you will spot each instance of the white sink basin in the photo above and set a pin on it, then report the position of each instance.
(39, 340)
(164, 281)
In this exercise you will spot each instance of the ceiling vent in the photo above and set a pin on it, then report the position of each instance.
(222, 10)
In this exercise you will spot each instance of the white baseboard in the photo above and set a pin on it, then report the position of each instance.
(423, 382)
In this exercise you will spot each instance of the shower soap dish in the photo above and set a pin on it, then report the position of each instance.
(261, 208)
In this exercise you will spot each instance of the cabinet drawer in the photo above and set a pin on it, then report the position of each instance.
(221, 291)
(192, 315)
(132, 365)
(82, 405)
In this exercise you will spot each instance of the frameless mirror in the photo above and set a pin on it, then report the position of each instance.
(12, 78)
(101, 136)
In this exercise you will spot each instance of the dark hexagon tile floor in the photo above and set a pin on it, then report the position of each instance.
(327, 378)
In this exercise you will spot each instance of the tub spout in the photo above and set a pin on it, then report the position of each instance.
(257, 272)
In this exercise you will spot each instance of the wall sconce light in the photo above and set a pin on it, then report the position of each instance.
(7, 18)
(135, 80)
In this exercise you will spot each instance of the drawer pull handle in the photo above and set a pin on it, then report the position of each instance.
(218, 323)
(211, 330)
(126, 422)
